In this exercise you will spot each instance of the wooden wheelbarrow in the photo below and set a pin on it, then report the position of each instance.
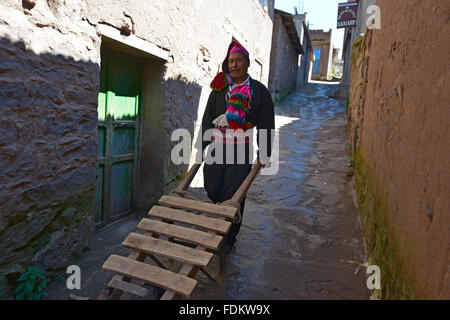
(193, 244)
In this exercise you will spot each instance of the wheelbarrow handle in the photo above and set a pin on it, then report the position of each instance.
(238, 195)
(245, 185)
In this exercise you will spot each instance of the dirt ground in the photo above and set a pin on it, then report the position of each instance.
(300, 237)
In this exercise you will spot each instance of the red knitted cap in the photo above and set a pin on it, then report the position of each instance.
(234, 46)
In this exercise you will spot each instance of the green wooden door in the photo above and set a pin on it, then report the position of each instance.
(118, 131)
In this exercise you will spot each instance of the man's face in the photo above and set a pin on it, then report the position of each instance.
(238, 66)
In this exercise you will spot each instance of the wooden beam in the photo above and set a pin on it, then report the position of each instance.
(114, 293)
(199, 206)
(187, 270)
(150, 274)
(167, 249)
(198, 237)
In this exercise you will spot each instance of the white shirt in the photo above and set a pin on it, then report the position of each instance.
(221, 121)
(234, 85)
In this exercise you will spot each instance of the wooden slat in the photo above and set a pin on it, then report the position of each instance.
(167, 249)
(208, 240)
(150, 274)
(175, 215)
(129, 288)
(114, 293)
(215, 209)
(187, 270)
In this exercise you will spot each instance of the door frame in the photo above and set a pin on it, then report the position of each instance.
(152, 96)
(109, 159)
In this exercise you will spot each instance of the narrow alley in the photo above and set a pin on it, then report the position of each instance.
(300, 236)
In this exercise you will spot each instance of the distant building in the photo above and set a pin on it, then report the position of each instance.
(323, 54)
(307, 58)
(284, 57)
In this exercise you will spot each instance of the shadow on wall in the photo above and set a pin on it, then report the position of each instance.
(48, 151)
(182, 103)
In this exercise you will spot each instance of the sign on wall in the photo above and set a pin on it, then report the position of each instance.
(347, 14)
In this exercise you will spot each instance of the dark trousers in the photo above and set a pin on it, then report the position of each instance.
(221, 182)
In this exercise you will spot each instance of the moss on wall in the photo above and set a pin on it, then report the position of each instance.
(380, 240)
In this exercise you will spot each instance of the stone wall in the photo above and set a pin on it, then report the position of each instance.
(304, 70)
(49, 81)
(196, 34)
(49, 70)
(283, 62)
(402, 169)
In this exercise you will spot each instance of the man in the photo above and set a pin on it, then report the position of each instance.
(236, 102)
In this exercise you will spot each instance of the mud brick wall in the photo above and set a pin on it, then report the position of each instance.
(402, 163)
(359, 68)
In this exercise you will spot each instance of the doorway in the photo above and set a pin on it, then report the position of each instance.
(119, 114)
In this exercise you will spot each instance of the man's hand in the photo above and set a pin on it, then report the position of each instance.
(220, 121)
(264, 163)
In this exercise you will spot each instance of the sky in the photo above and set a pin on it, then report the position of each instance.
(322, 14)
